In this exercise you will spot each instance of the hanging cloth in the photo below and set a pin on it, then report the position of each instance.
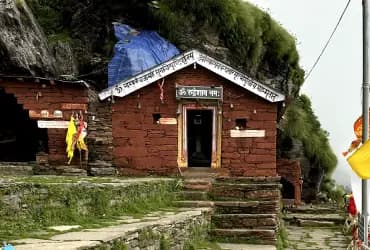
(357, 129)
(359, 161)
(161, 95)
(71, 139)
(81, 134)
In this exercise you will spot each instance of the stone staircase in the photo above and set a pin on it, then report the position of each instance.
(315, 216)
(315, 227)
(245, 210)
(196, 186)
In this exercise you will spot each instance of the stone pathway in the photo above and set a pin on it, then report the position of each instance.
(246, 247)
(129, 229)
(316, 238)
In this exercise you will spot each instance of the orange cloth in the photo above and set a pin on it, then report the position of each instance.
(357, 129)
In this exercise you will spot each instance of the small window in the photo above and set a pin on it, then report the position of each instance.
(241, 123)
(156, 117)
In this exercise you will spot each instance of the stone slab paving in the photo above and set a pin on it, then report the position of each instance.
(316, 238)
(245, 247)
(94, 237)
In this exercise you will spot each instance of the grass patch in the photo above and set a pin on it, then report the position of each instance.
(28, 209)
(198, 239)
(282, 238)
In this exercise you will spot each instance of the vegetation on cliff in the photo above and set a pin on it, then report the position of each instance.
(301, 123)
(257, 43)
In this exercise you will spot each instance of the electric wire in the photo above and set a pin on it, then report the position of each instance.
(328, 41)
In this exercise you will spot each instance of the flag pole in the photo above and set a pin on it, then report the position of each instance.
(365, 107)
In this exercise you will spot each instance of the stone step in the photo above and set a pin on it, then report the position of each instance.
(193, 195)
(246, 221)
(297, 218)
(197, 186)
(233, 246)
(200, 181)
(103, 171)
(200, 172)
(251, 236)
(68, 170)
(249, 191)
(247, 207)
(15, 169)
(315, 210)
(194, 204)
(311, 223)
(249, 180)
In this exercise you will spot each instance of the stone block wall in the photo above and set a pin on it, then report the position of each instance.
(290, 170)
(99, 137)
(248, 156)
(36, 95)
(141, 146)
(170, 232)
(48, 200)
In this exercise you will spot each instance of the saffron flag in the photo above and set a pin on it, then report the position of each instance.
(357, 128)
(360, 161)
(71, 139)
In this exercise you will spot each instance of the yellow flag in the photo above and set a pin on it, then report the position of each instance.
(360, 161)
(70, 139)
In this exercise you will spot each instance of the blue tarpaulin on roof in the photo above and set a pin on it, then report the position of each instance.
(136, 52)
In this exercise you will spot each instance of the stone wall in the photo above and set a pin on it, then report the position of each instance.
(51, 201)
(99, 138)
(312, 173)
(290, 170)
(41, 201)
(36, 95)
(142, 146)
(171, 232)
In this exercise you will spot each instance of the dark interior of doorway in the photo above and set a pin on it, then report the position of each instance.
(20, 138)
(199, 136)
(288, 189)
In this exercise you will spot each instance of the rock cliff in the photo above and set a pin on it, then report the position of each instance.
(23, 45)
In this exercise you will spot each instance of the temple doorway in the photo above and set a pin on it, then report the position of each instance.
(20, 138)
(199, 137)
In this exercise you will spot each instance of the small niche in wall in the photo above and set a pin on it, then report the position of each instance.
(156, 117)
(240, 123)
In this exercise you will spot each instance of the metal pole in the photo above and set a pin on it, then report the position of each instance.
(365, 107)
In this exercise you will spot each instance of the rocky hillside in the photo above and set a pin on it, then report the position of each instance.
(75, 37)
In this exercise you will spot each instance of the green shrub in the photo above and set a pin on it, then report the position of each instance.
(301, 123)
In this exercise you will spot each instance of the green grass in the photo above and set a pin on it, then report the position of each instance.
(92, 205)
(198, 239)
